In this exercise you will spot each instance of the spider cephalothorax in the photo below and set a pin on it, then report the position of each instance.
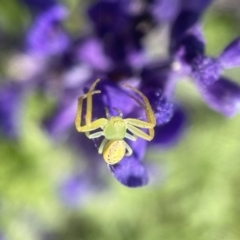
(114, 128)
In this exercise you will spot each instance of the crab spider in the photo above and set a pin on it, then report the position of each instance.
(114, 128)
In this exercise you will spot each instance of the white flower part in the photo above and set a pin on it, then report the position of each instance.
(24, 66)
(77, 75)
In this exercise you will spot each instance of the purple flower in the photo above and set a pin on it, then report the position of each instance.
(46, 37)
(10, 107)
(74, 190)
(130, 171)
(120, 30)
(206, 70)
(108, 16)
(172, 119)
(223, 96)
(91, 52)
(188, 50)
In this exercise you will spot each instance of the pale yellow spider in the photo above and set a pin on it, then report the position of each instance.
(114, 128)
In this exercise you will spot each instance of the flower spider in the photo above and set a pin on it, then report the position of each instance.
(114, 128)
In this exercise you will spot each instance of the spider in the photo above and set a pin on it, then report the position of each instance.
(114, 128)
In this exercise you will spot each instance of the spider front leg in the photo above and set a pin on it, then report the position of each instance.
(90, 126)
(146, 105)
(132, 123)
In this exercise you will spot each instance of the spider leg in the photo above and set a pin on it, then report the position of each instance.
(139, 133)
(129, 150)
(130, 137)
(78, 118)
(90, 126)
(94, 135)
(148, 109)
(138, 123)
(137, 100)
(151, 120)
(102, 145)
(89, 102)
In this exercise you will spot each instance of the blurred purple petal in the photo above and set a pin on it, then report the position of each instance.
(39, 5)
(46, 36)
(91, 52)
(171, 132)
(73, 191)
(198, 6)
(165, 10)
(76, 189)
(108, 16)
(62, 119)
(223, 96)
(189, 16)
(189, 48)
(10, 107)
(184, 21)
(156, 75)
(206, 70)
(230, 57)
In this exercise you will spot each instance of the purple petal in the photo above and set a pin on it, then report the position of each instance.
(46, 36)
(189, 15)
(39, 5)
(108, 16)
(230, 57)
(171, 132)
(130, 172)
(76, 189)
(223, 96)
(198, 6)
(187, 23)
(163, 110)
(115, 97)
(165, 10)
(62, 119)
(73, 191)
(184, 22)
(189, 48)
(10, 105)
(162, 77)
(206, 70)
(91, 52)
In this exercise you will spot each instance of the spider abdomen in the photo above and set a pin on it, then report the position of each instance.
(114, 151)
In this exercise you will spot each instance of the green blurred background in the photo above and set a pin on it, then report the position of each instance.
(197, 192)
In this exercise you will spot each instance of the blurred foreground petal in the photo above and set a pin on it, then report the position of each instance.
(230, 57)
(223, 96)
